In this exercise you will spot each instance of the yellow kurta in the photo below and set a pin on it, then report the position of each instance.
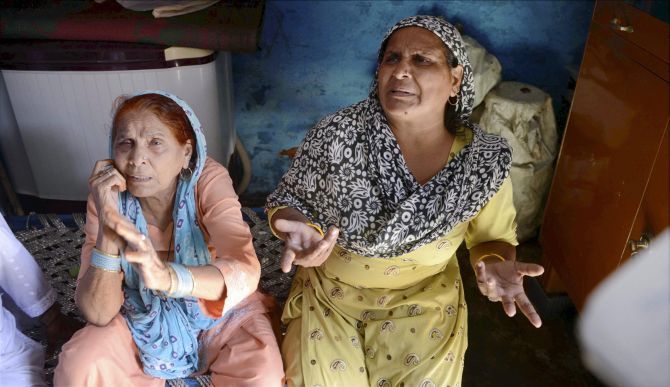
(359, 321)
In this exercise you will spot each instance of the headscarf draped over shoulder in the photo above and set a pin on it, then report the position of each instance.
(166, 329)
(349, 172)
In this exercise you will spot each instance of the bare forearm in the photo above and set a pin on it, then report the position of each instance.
(99, 296)
(503, 249)
(106, 245)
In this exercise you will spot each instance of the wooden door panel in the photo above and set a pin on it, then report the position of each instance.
(653, 217)
(644, 29)
(656, 202)
(618, 117)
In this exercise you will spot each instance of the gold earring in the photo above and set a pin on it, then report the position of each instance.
(186, 173)
(458, 98)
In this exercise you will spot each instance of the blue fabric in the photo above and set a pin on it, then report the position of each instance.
(166, 330)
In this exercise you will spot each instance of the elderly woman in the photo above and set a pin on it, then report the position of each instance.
(401, 178)
(168, 272)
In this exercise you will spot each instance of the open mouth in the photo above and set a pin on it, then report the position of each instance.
(401, 93)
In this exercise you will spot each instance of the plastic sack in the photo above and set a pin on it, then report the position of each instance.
(485, 67)
(523, 115)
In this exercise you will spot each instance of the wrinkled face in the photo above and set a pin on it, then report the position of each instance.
(149, 156)
(414, 77)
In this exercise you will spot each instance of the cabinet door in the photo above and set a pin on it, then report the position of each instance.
(653, 217)
(614, 131)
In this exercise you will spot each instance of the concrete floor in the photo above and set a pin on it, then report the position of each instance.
(507, 351)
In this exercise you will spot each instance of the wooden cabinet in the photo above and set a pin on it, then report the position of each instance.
(611, 180)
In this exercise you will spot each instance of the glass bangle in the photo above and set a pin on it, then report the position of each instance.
(500, 257)
(184, 281)
(317, 228)
(106, 262)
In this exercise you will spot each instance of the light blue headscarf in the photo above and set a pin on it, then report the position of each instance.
(166, 330)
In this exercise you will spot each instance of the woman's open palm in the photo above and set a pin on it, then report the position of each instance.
(304, 246)
(503, 281)
(139, 251)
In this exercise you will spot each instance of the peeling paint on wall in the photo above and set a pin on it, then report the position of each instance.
(317, 57)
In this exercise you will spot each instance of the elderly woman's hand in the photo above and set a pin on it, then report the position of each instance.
(139, 251)
(503, 281)
(105, 183)
(303, 245)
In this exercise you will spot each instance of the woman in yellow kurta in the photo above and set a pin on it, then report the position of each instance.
(401, 179)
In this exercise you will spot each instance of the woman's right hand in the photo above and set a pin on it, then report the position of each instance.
(139, 251)
(303, 245)
(105, 183)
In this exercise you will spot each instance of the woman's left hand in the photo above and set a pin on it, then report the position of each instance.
(139, 251)
(503, 281)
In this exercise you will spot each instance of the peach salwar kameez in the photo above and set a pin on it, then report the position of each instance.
(240, 351)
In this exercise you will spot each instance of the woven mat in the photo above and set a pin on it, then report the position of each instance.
(57, 247)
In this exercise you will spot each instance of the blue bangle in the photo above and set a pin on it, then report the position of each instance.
(105, 262)
(184, 281)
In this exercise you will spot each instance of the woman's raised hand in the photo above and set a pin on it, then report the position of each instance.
(303, 245)
(139, 251)
(105, 183)
(503, 281)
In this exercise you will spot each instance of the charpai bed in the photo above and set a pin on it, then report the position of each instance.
(55, 241)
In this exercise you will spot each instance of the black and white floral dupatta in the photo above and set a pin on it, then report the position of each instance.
(349, 172)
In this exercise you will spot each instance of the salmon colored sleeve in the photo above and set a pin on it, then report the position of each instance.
(228, 238)
(91, 230)
(91, 238)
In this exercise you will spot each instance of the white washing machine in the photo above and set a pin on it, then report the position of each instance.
(56, 99)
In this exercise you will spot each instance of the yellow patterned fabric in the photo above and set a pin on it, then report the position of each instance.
(359, 320)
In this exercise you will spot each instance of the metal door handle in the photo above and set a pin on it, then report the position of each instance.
(619, 25)
(639, 245)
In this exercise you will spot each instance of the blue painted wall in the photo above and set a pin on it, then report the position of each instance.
(317, 57)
